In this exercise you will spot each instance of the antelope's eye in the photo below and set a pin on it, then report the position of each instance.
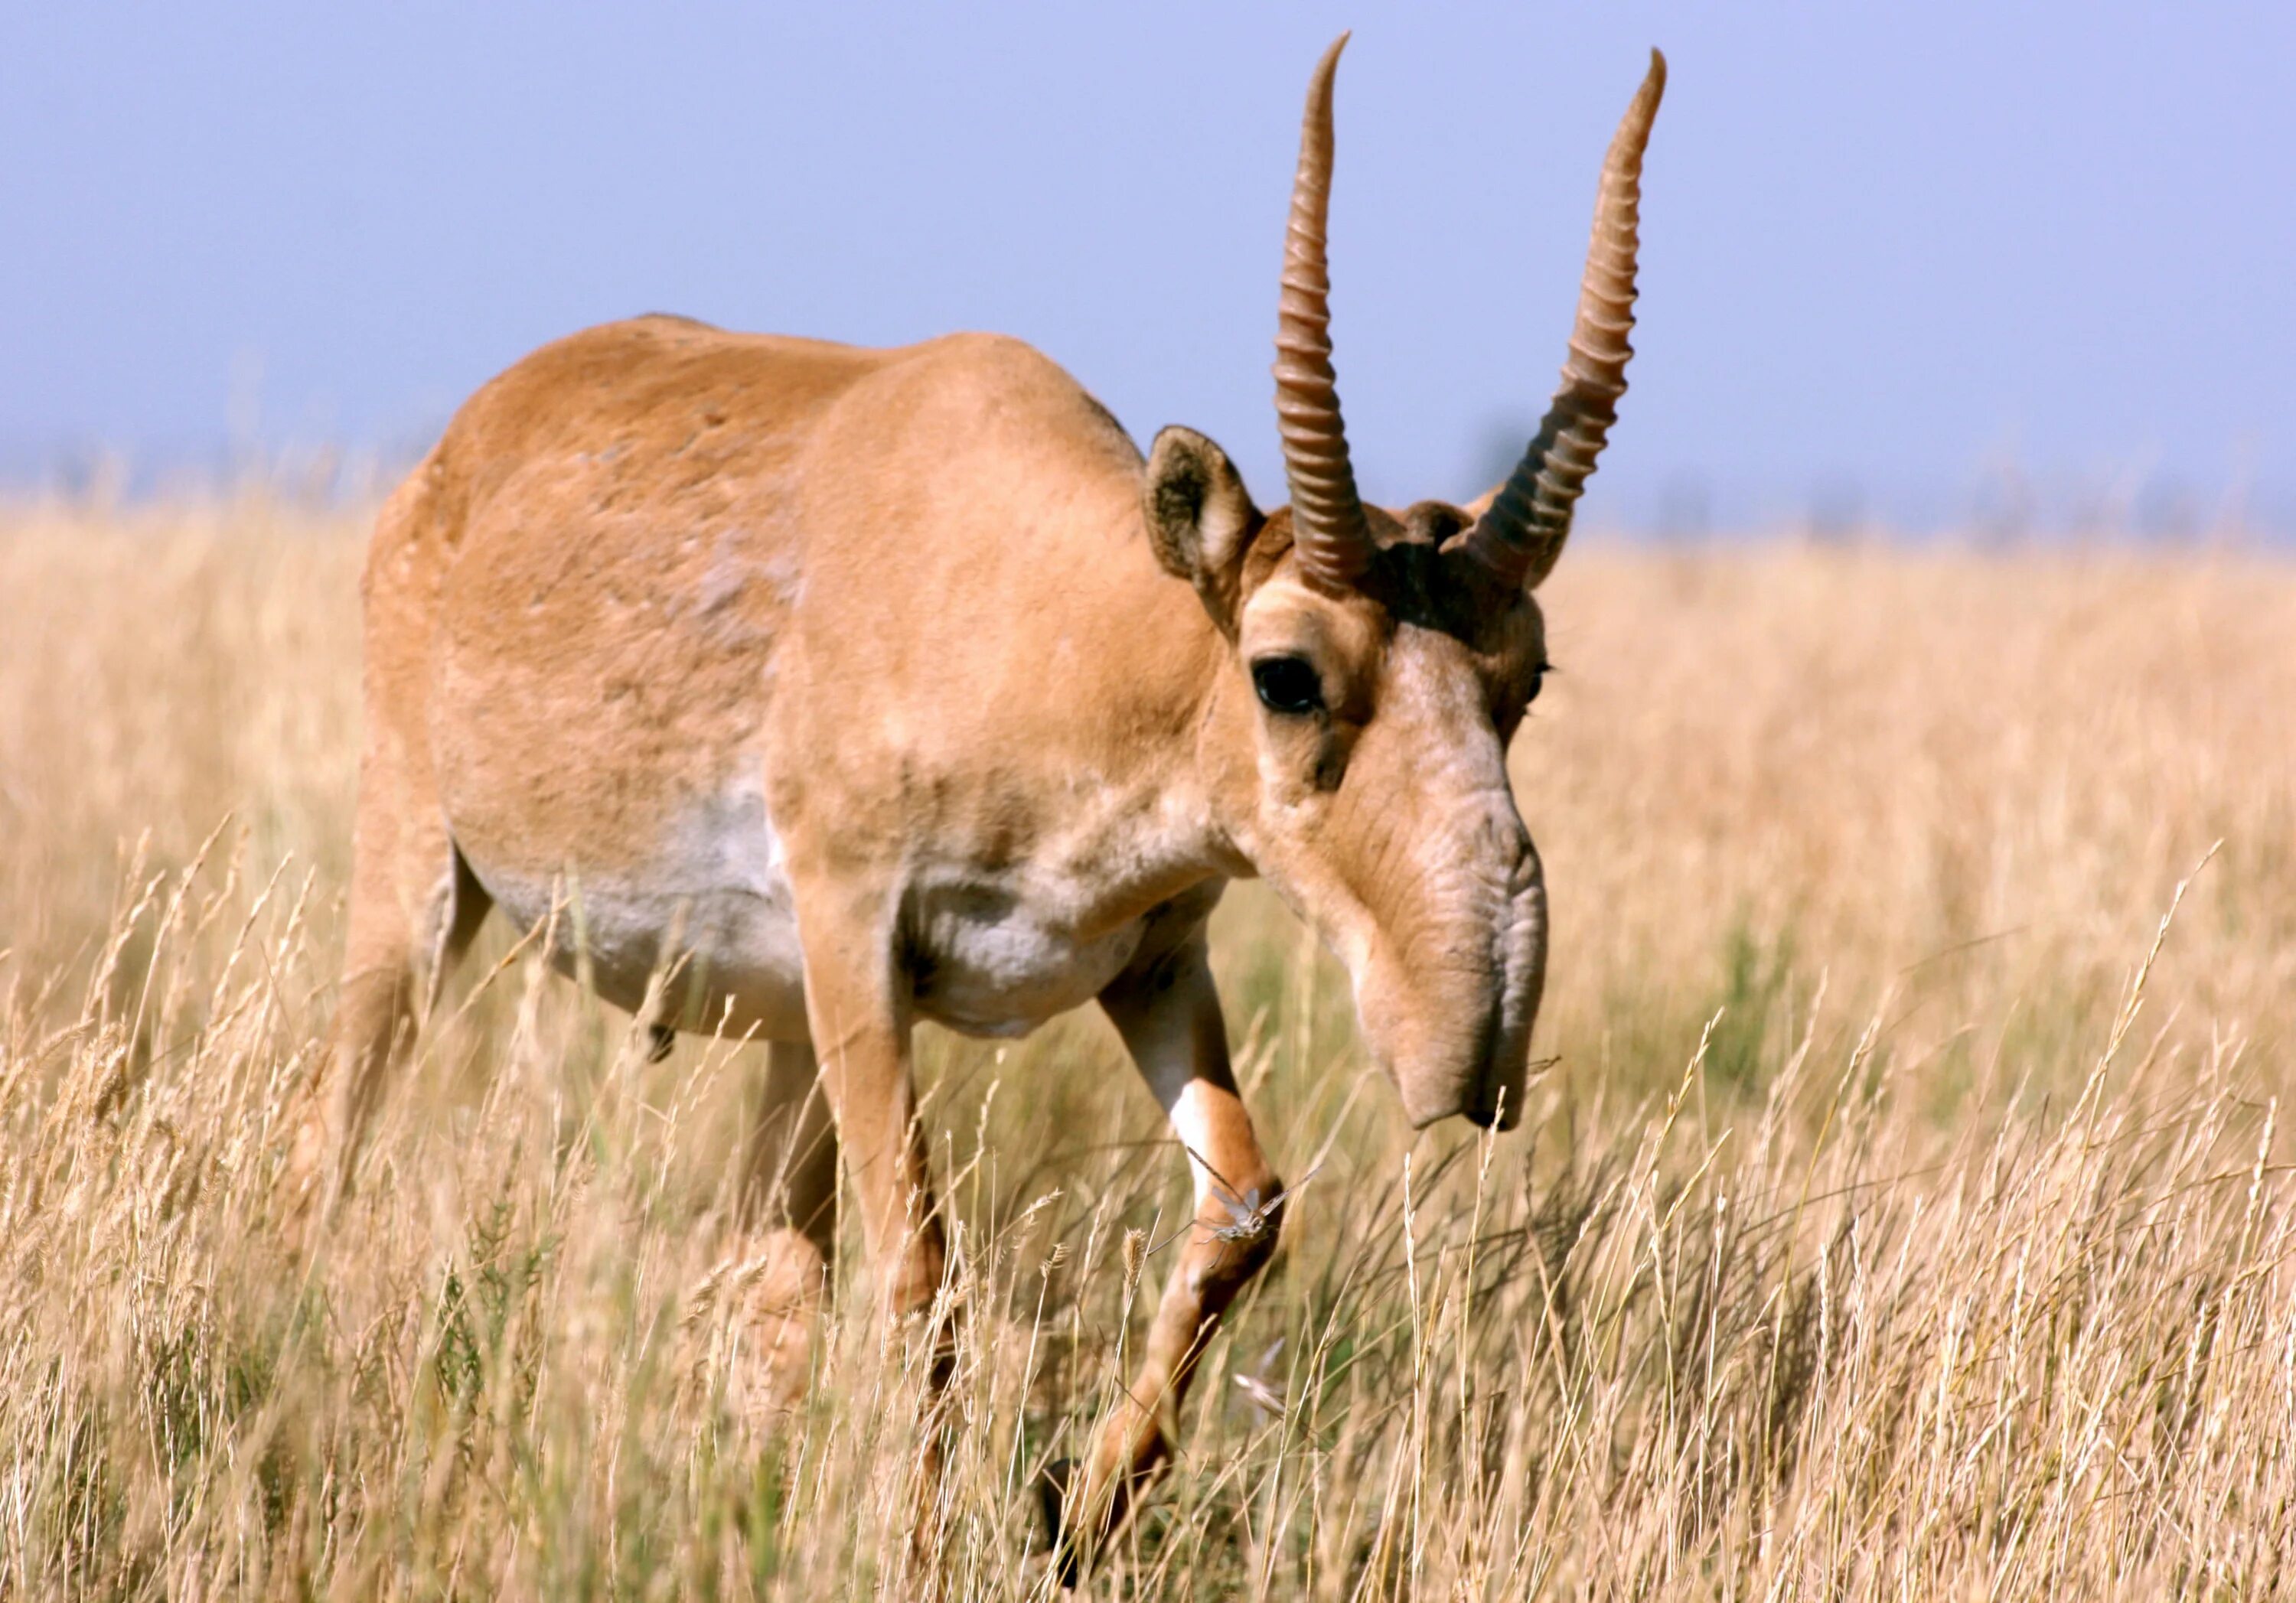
(1537, 683)
(1287, 684)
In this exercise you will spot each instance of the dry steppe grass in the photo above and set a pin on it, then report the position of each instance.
(1906, 1213)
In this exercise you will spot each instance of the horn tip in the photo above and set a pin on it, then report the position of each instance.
(1655, 81)
(1319, 82)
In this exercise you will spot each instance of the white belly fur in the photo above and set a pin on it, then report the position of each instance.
(987, 957)
(713, 895)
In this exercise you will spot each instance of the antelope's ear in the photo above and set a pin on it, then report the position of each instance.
(1200, 517)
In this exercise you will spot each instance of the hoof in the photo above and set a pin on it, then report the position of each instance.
(660, 1039)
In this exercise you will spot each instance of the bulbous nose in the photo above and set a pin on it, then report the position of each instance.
(1456, 1033)
(1520, 964)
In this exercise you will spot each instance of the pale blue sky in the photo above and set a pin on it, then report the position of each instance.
(1886, 253)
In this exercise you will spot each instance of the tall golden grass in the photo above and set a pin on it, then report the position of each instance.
(1905, 1211)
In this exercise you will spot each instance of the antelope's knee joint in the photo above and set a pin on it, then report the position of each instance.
(1244, 1234)
(1262, 1246)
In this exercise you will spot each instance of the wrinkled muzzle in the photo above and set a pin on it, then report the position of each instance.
(1447, 988)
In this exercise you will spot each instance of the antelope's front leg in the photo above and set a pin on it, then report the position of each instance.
(1169, 1014)
(857, 1007)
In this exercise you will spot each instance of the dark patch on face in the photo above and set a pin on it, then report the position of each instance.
(1420, 577)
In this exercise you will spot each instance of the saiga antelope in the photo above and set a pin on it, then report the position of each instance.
(882, 685)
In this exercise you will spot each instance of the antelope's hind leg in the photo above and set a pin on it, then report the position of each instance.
(1169, 1013)
(415, 907)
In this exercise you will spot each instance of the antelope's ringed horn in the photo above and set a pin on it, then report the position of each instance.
(1327, 517)
(1521, 532)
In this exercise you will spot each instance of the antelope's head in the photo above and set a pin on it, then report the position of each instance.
(1379, 661)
